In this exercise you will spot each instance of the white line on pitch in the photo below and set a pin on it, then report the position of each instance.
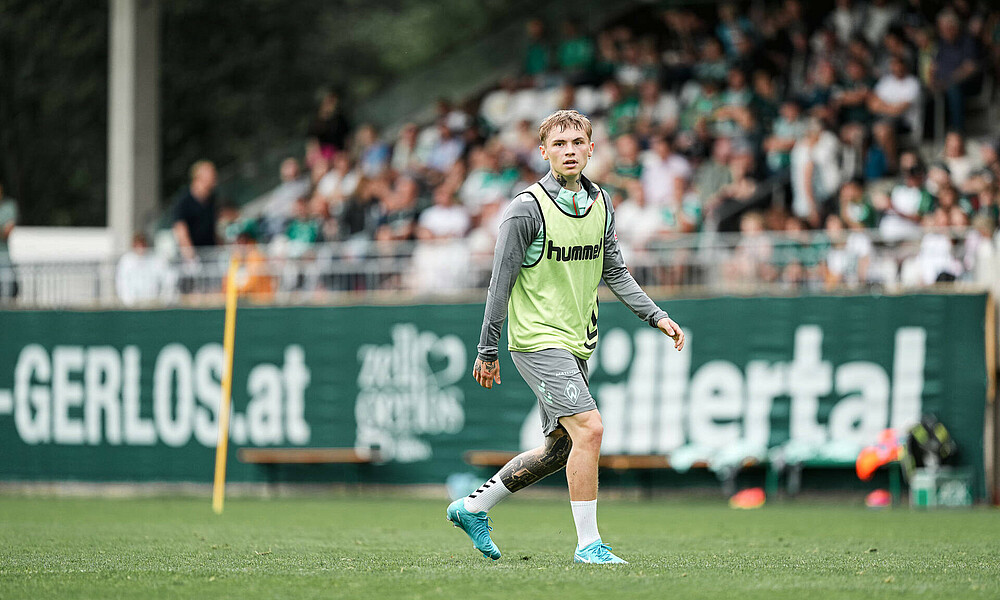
(6, 402)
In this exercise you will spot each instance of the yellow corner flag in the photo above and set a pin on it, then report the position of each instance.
(229, 339)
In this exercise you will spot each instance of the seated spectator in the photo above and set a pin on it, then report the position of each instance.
(664, 174)
(339, 182)
(751, 260)
(788, 129)
(8, 220)
(441, 260)
(798, 255)
(956, 67)
(575, 53)
(851, 96)
(636, 222)
(405, 158)
(988, 204)
(626, 166)
(281, 200)
(909, 202)
(358, 215)
(732, 26)
(856, 210)
(446, 219)
(815, 172)
(701, 109)
(538, 54)
(847, 260)
(372, 153)
(143, 278)
(623, 111)
(713, 174)
(397, 221)
(254, 278)
(897, 98)
(733, 117)
(304, 229)
(846, 20)
(741, 193)
(713, 65)
(446, 149)
(657, 110)
(956, 207)
(960, 163)
(820, 90)
(766, 101)
(879, 16)
(194, 212)
(880, 159)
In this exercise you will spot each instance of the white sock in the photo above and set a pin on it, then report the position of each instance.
(487, 496)
(585, 516)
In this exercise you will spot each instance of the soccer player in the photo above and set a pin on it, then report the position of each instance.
(557, 241)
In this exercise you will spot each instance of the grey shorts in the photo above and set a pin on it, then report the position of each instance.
(560, 383)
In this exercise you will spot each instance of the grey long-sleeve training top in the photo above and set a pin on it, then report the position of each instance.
(521, 224)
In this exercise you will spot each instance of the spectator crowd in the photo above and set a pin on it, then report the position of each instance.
(802, 135)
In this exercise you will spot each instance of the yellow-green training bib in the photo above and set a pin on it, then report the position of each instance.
(554, 301)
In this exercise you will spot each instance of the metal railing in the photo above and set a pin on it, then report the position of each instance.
(356, 271)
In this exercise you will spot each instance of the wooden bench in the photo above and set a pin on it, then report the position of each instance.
(272, 458)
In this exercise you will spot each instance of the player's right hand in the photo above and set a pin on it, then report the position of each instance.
(486, 372)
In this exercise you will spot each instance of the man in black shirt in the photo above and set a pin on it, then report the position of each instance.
(194, 212)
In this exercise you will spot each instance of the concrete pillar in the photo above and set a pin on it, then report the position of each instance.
(133, 118)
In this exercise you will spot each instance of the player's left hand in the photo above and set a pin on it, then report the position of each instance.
(667, 326)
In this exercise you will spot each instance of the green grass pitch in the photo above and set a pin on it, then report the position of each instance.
(396, 548)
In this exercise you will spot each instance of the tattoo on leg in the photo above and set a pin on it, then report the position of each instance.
(534, 465)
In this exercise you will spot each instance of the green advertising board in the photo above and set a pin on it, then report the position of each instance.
(134, 395)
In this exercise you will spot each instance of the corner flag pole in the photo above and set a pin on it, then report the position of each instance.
(229, 339)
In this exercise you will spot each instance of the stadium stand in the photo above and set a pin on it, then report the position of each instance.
(741, 148)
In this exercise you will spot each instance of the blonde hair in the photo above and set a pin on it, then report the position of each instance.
(564, 119)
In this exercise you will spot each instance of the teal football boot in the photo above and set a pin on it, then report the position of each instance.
(476, 525)
(597, 553)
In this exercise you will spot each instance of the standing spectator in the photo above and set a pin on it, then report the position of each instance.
(664, 174)
(8, 219)
(815, 172)
(281, 200)
(329, 130)
(657, 109)
(142, 277)
(897, 97)
(194, 212)
(955, 68)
